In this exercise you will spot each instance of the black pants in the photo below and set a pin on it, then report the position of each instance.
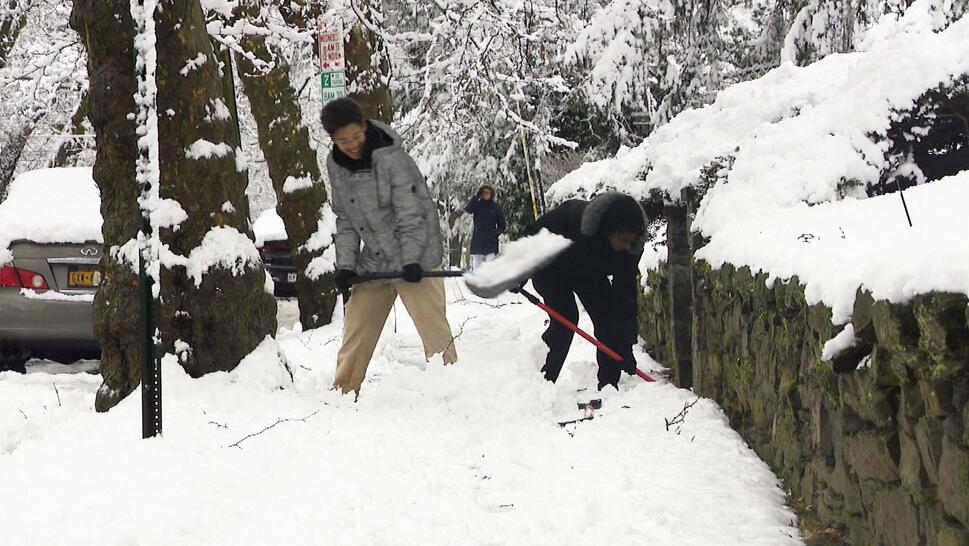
(559, 293)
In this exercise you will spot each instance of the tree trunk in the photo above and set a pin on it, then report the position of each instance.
(222, 318)
(285, 143)
(213, 316)
(11, 24)
(368, 68)
(106, 29)
(72, 145)
(11, 149)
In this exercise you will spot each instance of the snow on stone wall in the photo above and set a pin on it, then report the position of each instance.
(790, 140)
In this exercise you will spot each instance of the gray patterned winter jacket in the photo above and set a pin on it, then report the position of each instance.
(389, 209)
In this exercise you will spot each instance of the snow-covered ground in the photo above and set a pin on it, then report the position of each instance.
(464, 454)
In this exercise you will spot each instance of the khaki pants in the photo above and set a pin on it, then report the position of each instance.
(364, 319)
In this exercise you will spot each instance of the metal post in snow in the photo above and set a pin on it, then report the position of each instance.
(904, 205)
(151, 383)
(142, 12)
(528, 170)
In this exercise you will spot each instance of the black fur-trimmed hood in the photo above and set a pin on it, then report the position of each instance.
(595, 211)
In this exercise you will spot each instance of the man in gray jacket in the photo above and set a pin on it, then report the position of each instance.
(381, 199)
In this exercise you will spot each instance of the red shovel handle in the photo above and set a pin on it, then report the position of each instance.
(572, 326)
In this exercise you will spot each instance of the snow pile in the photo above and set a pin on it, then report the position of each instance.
(165, 213)
(844, 340)
(294, 183)
(835, 248)
(322, 264)
(269, 227)
(655, 252)
(51, 206)
(54, 295)
(322, 239)
(793, 138)
(193, 64)
(221, 248)
(466, 454)
(203, 149)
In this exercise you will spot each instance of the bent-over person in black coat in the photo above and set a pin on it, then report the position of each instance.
(600, 267)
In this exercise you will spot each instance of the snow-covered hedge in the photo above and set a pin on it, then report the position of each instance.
(768, 149)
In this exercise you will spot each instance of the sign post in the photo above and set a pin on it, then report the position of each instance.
(333, 76)
(147, 176)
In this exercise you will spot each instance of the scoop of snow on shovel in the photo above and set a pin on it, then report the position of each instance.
(518, 261)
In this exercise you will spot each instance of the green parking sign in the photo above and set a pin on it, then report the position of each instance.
(334, 78)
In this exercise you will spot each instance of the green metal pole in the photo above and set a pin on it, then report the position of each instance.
(151, 384)
(151, 404)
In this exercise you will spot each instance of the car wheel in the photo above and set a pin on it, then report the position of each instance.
(13, 360)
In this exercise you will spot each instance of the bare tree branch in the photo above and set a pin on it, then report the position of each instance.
(278, 422)
(680, 417)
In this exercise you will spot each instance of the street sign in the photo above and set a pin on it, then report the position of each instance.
(333, 78)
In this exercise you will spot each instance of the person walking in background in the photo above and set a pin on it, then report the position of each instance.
(380, 198)
(489, 223)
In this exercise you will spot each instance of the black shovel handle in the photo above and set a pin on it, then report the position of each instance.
(397, 275)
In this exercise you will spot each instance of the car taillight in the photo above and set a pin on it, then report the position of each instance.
(11, 276)
(32, 280)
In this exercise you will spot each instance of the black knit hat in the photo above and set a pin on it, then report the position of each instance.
(624, 215)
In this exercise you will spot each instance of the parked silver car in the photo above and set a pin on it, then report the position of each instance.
(49, 255)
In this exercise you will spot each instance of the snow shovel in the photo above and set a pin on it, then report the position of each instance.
(366, 277)
(519, 261)
(572, 326)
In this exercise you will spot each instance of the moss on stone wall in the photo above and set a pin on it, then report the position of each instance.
(654, 318)
(879, 452)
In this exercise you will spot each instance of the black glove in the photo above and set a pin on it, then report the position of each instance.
(628, 363)
(518, 287)
(342, 279)
(413, 273)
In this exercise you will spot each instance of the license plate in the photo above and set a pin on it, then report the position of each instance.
(291, 277)
(83, 278)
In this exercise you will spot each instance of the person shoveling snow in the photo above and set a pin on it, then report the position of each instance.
(588, 249)
(375, 183)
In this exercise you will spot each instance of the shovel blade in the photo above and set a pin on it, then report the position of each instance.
(517, 263)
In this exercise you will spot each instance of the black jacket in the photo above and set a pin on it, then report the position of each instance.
(489, 223)
(590, 257)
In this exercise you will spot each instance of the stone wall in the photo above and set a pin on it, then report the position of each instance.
(654, 318)
(880, 451)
